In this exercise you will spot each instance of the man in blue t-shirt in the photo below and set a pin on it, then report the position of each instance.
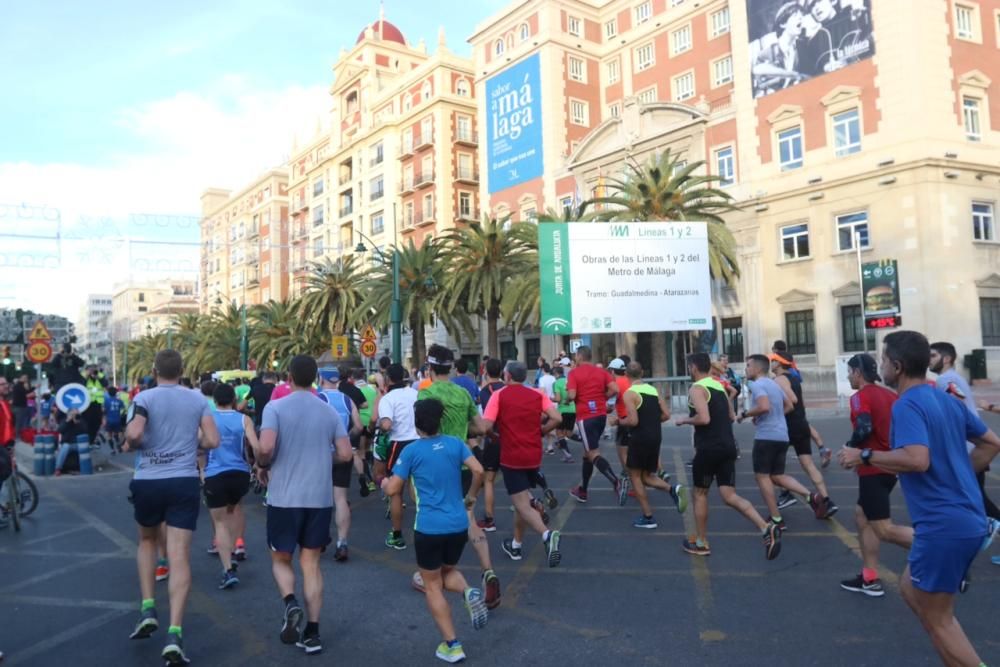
(929, 431)
(463, 380)
(114, 414)
(433, 465)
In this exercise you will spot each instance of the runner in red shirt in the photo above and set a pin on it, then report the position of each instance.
(516, 410)
(871, 417)
(591, 387)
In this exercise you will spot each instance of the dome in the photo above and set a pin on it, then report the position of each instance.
(389, 32)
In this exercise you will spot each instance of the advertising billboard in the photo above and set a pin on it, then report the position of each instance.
(792, 41)
(880, 289)
(632, 276)
(514, 125)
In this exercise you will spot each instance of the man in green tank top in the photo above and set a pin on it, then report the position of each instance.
(362, 464)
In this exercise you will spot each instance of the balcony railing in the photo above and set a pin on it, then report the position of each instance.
(423, 218)
(423, 141)
(406, 149)
(377, 194)
(346, 210)
(375, 161)
(466, 175)
(407, 184)
(422, 179)
(345, 178)
(464, 136)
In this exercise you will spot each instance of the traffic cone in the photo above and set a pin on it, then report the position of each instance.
(83, 450)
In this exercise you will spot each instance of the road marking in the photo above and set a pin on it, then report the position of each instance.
(37, 553)
(46, 601)
(850, 540)
(55, 572)
(26, 656)
(673, 534)
(52, 536)
(97, 523)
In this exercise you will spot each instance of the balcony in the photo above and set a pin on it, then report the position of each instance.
(467, 216)
(466, 175)
(423, 179)
(253, 232)
(345, 177)
(467, 137)
(423, 141)
(422, 218)
(406, 149)
(375, 161)
(406, 187)
(300, 204)
(346, 210)
(376, 195)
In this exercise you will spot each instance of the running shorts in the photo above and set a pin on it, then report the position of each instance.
(226, 488)
(644, 456)
(433, 551)
(714, 464)
(591, 430)
(489, 453)
(801, 443)
(938, 564)
(342, 474)
(568, 421)
(175, 501)
(516, 480)
(622, 435)
(304, 527)
(395, 449)
(873, 495)
(769, 457)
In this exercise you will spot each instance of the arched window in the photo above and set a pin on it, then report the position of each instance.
(425, 92)
(462, 88)
(524, 32)
(498, 48)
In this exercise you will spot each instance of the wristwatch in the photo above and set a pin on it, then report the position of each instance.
(866, 456)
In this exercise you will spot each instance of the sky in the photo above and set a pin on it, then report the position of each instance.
(117, 115)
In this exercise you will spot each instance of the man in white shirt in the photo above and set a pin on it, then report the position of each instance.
(395, 420)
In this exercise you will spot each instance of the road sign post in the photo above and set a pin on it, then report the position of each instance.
(39, 352)
(73, 396)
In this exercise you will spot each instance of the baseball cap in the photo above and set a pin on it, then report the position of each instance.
(616, 365)
(329, 373)
(565, 362)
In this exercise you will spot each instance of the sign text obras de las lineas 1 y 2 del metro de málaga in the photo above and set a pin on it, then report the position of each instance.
(631, 276)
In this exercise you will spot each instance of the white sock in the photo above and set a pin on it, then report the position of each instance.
(515, 544)
(545, 535)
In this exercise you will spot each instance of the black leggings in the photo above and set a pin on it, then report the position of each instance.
(992, 510)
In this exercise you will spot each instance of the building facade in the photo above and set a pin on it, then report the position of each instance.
(823, 121)
(93, 330)
(139, 310)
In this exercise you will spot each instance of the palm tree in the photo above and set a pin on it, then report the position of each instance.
(484, 257)
(188, 329)
(277, 330)
(331, 299)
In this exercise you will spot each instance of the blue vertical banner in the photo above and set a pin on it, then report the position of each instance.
(514, 119)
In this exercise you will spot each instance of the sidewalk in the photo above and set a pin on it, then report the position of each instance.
(100, 458)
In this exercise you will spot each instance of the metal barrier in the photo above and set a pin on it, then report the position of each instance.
(674, 389)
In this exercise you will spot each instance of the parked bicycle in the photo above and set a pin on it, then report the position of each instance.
(18, 495)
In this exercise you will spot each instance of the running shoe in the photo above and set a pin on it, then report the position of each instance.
(508, 548)
(680, 495)
(417, 582)
(340, 554)
(691, 546)
(859, 585)
(162, 572)
(363, 487)
(290, 624)
(240, 552)
(780, 525)
(550, 450)
(450, 654)
(393, 542)
(772, 541)
(995, 560)
(173, 652)
(491, 586)
(229, 578)
(568, 458)
(371, 485)
(825, 456)
(212, 550)
(664, 475)
(816, 503)
(147, 625)
(552, 548)
(644, 522)
(538, 507)
(830, 508)
(311, 644)
(488, 524)
(992, 528)
(579, 495)
(786, 499)
(550, 499)
(621, 489)
(476, 606)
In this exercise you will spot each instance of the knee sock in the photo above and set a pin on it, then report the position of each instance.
(605, 469)
(588, 472)
(541, 481)
(561, 443)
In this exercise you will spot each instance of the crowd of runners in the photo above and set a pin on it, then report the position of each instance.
(441, 441)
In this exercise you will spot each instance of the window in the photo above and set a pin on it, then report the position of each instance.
(723, 71)
(142, 297)
(965, 21)
(800, 331)
(614, 110)
(379, 153)
(425, 91)
(644, 57)
(565, 203)
(982, 221)
(465, 170)
(970, 118)
(529, 214)
(463, 128)
(684, 86)
(465, 205)
(732, 338)
(408, 214)
(720, 22)
(318, 246)
(790, 148)
(377, 188)
(643, 12)
(574, 26)
(427, 130)
(462, 88)
(989, 315)
(524, 32)
(577, 70)
(611, 29)
(266, 269)
(317, 215)
(428, 207)
(679, 166)
(853, 335)
(795, 242)
(847, 132)
(680, 40)
(725, 166)
(378, 222)
(647, 96)
(579, 113)
(614, 71)
(851, 225)
(318, 188)
(498, 48)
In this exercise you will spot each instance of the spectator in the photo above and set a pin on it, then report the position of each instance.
(70, 428)
(20, 393)
(66, 367)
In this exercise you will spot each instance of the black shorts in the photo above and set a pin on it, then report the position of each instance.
(342, 474)
(396, 448)
(591, 430)
(714, 464)
(873, 495)
(622, 434)
(642, 456)
(489, 453)
(769, 457)
(304, 527)
(226, 488)
(116, 429)
(568, 421)
(175, 501)
(355, 441)
(433, 551)
(801, 443)
(466, 481)
(516, 480)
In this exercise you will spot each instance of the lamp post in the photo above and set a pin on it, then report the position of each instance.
(395, 308)
(244, 342)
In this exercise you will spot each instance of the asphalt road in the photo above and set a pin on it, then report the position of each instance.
(621, 596)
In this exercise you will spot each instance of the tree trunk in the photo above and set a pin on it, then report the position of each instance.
(419, 342)
(660, 354)
(492, 342)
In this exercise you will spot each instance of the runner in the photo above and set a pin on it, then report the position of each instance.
(459, 413)
(227, 480)
(435, 465)
(295, 450)
(464, 380)
(800, 434)
(929, 431)
(163, 425)
(617, 368)
(348, 413)
(567, 409)
(590, 387)
(871, 418)
(645, 412)
(114, 418)
(770, 445)
(367, 416)
(490, 451)
(261, 395)
(395, 414)
(517, 411)
(546, 384)
(715, 458)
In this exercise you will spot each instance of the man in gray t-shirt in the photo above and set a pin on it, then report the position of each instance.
(163, 427)
(296, 449)
(770, 445)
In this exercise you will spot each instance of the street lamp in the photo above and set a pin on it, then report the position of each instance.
(395, 308)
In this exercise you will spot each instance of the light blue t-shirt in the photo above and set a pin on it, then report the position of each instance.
(169, 446)
(944, 500)
(434, 468)
(228, 456)
(340, 402)
(770, 425)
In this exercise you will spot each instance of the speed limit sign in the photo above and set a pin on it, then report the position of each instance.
(39, 352)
